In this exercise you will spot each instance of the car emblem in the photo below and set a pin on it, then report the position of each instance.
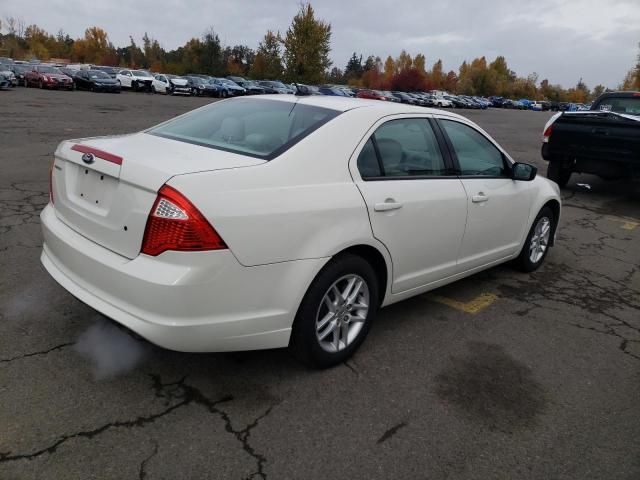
(87, 158)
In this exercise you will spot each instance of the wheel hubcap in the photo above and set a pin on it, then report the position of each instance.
(539, 240)
(342, 313)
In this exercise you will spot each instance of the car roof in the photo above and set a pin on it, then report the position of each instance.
(343, 104)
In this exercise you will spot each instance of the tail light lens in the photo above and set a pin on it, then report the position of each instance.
(176, 224)
(547, 133)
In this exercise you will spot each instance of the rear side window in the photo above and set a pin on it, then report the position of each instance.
(255, 127)
(402, 148)
(629, 105)
(477, 156)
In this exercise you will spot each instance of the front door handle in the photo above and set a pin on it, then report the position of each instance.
(479, 198)
(388, 205)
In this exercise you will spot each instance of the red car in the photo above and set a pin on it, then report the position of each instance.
(46, 76)
(371, 94)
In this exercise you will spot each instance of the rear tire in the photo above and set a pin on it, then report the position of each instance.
(536, 246)
(557, 173)
(328, 328)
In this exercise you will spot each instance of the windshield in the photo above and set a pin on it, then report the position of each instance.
(196, 80)
(141, 73)
(98, 74)
(49, 70)
(630, 105)
(255, 127)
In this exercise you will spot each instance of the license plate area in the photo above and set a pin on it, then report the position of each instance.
(94, 189)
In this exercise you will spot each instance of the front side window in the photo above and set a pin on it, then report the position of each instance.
(405, 148)
(477, 156)
(255, 127)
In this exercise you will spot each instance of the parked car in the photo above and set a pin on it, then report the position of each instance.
(4, 81)
(370, 94)
(8, 74)
(440, 102)
(201, 87)
(251, 87)
(275, 86)
(204, 264)
(456, 101)
(537, 106)
(228, 88)
(96, 81)
(135, 79)
(20, 70)
(331, 91)
(45, 76)
(404, 98)
(170, 85)
(603, 141)
(497, 102)
(68, 72)
(111, 71)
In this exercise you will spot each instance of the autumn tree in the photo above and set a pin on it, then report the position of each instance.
(419, 63)
(389, 70)
(354, 69)
(93, 48)
(404, 62)
(210, 56)
(270, 52)
(437, 75)
(307, 47)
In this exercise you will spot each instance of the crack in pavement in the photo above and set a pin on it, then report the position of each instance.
(570, 286)
(21, 204)
(142, 473)
(180, 388)
(174, 395)
(34, 354)
(391, 432)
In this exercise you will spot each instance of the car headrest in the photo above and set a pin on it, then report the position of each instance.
(232, 129)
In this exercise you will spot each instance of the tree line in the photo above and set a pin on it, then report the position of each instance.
(301, 54)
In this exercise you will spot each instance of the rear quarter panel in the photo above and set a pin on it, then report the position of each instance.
(302, 204)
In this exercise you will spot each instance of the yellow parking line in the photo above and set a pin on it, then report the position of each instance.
(627, 223)
(479, 303)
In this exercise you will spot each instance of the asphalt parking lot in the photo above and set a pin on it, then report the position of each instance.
(500, 376)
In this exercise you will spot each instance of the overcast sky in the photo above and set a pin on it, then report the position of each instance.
(561, 40)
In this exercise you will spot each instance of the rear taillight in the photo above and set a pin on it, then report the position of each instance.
(51, 181)
(176, 224)
(547, 133)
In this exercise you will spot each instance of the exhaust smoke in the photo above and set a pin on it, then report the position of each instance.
(111, 350)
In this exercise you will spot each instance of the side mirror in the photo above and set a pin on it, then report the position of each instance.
(523, 172)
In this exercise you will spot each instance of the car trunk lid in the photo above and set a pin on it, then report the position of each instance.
(104, 187)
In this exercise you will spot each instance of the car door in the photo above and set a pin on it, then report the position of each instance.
(125, 78)
(82, 80)
(417, 207)
(498, 206)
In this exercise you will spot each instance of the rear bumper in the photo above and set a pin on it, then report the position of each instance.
(185, 301)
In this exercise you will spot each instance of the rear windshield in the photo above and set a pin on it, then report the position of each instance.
(256, 127)
(628, 105)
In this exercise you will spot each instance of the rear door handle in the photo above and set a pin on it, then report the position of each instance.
(388, 205)
(479, 198)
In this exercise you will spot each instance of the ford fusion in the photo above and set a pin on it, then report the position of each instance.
(265, 222)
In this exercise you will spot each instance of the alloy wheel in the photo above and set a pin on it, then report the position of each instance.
(342, 313)
(539, 239)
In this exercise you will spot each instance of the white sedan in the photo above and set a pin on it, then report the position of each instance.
(135, 79)
(170, 85)
(262, 222)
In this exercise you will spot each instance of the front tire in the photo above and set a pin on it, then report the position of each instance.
(336, 313)
(537, 244)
